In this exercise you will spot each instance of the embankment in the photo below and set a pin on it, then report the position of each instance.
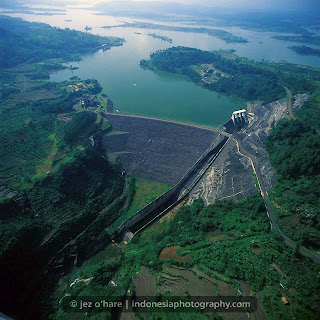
(157, 150)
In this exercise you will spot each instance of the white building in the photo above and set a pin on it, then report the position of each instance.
(239, 117)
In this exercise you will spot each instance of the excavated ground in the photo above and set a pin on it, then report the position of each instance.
(231, 175)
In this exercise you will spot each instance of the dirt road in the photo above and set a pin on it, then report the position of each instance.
(289, 104)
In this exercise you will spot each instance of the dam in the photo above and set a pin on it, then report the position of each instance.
(163, 151)
(175, 195)
(155, 149)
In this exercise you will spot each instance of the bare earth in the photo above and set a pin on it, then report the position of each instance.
(231, 175)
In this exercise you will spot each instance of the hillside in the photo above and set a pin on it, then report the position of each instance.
(53, 183)
(21, 42)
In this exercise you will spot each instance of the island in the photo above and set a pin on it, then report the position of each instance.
(156, 36)
(162, 38)
(304, 50)
(305, 38)
(221, 34)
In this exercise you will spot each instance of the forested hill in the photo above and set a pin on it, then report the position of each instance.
(236, 76)
(294, 149)
(59, 184)
(22, 41)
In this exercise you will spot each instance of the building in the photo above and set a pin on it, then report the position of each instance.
(79, 86)
(239, 118)
(89, 100)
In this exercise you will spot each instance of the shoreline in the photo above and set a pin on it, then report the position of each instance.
(170, 121)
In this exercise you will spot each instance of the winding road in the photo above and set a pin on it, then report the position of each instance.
(238, 137)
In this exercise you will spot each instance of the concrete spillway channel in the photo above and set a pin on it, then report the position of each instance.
(180, 191)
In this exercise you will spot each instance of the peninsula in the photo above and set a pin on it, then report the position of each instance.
(227, 73)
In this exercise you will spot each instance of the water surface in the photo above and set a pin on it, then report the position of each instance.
(138, 91)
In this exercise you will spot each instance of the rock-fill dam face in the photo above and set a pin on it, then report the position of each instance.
(154, 149)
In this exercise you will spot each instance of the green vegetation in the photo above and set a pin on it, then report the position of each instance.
(294, 150)
(141, 193)
(256, 181)
(59, 182)
(221, 34)
(31, 42)
(25, 135)
(55, 210)
(102, 122)
(68, 198)
(31, 128)
(242, 78)
(310, 112)
(304, 50)
(81, 125)
(162, 38)
(247, 252)
(290, 68)
(145, 192)
(305, 38)
(111, 214)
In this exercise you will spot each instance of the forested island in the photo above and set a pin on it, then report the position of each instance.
(162, 38)
(156, 36)
(305, 38)
(304, 50)
(221, 34)
(229, 74)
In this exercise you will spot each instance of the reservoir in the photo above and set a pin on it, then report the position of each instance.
(157, 94)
